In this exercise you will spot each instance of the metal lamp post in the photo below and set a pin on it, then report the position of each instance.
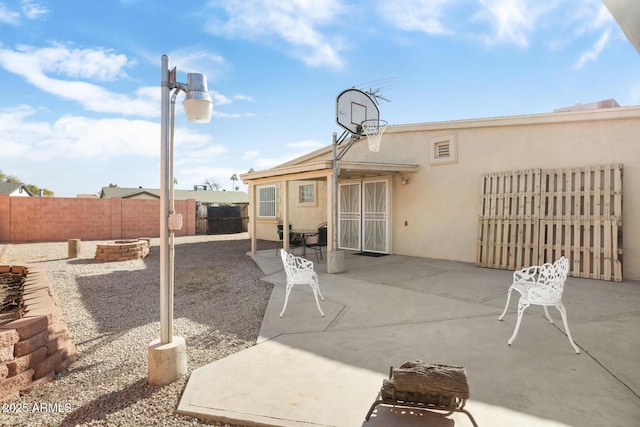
(167, 356)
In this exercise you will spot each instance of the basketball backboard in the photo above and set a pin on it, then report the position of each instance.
(354, 106)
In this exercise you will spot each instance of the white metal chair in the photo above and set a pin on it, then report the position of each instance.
(299, 271)
(541, 285)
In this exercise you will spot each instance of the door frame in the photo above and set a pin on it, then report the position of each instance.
(360, 215)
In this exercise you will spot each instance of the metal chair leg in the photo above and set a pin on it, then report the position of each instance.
(506, 306)
(286, 298)
(563, 313)
(521, 308)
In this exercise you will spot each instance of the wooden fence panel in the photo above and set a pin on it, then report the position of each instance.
(534, 216)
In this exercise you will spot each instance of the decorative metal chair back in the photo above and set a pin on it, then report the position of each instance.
(299, 271)
(550, 282)
(296, 267)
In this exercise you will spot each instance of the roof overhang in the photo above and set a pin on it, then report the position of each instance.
(627, 15)
(324, 168)
(363, 169)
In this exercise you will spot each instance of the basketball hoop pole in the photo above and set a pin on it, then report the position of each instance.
(334, 195)
(335, 258)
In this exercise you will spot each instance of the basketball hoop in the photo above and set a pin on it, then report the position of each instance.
(373, 129)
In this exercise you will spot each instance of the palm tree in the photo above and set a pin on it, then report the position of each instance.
(233, 179)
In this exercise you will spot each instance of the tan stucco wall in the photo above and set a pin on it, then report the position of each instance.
(441, 203)
(302, 216)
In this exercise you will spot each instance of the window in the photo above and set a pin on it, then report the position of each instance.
(443, 150)
(267, 201)
(307, 193)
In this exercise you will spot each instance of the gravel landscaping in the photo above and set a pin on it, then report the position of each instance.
(112, 310)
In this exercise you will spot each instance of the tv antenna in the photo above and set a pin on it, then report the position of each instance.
(374, 87)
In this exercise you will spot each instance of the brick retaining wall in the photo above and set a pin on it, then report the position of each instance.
(57, 219)
(34, 348)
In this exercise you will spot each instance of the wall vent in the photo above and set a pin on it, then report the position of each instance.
(443, 150)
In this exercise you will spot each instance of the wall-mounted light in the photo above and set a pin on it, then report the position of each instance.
(404, 180)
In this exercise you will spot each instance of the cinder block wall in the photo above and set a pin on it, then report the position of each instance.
(55, 219)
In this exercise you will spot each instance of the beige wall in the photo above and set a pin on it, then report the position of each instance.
(305, 216)
(441, 203)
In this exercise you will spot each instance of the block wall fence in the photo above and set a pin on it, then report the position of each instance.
(56, 219)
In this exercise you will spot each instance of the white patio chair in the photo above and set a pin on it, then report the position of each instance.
(299, 271)
(541, 285)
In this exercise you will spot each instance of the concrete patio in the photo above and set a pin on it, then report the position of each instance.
(308, 370)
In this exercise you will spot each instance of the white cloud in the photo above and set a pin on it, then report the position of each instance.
(92, 64)
(595, 51)
(410, 15)
(249, 155)
(197, 60)
(292, 22)
(83, 137)
(511, 21)
(34, 63)
(247, 98)
(219, 99)
(8, 16)
(32, 10)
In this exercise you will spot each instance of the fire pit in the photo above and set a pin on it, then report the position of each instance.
(122, 250)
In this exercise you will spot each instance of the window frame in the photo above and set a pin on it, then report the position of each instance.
(270, 203)
(312, 202)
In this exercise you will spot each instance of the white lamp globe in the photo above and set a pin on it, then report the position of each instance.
(197, 102)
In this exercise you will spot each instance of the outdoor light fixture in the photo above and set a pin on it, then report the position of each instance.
(167, 357)
(197, 102)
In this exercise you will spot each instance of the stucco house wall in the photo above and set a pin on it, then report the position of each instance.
(303, 216)
(436, 213)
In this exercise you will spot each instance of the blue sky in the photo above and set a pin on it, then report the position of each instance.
(80, 104)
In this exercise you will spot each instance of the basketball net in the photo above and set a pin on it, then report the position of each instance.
(374, 129)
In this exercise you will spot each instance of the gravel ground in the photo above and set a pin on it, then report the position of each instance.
(112, 310)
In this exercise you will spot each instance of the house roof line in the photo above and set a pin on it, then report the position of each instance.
(529, 119)
(452, 125)
(326, 166)
(10, 187)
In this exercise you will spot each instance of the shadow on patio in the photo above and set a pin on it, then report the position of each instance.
(312, 371)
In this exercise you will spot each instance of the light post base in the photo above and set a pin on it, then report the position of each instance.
(167, 362)
(335, 262)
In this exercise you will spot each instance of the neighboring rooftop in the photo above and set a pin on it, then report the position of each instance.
(15, 189)
(607, 103)
(203, 196)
